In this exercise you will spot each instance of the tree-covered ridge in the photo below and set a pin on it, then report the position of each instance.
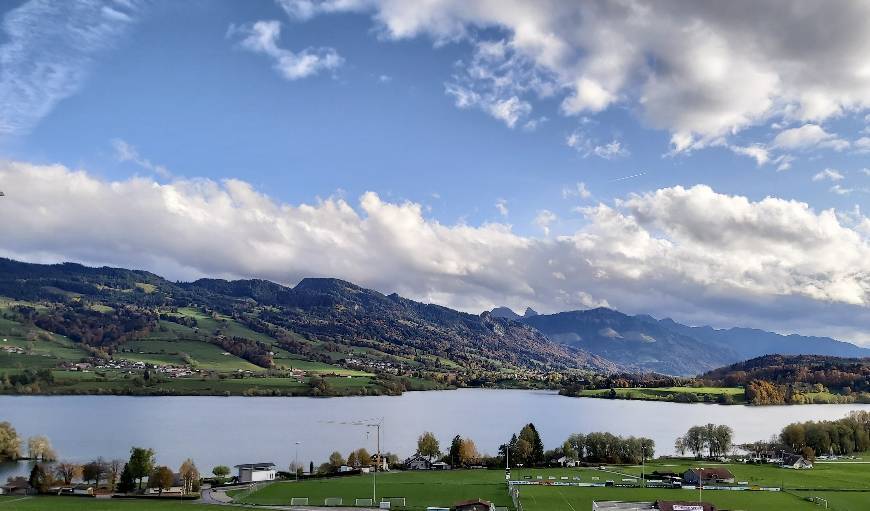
(787, 379)
(104, 308)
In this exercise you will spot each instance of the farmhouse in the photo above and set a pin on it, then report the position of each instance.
(255, 472)
(708, 476)
(796, 461)
(417, 462)
(474, 505)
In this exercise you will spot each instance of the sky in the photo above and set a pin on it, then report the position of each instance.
(705, 161)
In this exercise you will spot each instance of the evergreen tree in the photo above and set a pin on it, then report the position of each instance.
(455, 448)
(39, 479)
(127, 482)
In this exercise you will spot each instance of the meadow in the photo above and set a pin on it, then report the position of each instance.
(422, 489)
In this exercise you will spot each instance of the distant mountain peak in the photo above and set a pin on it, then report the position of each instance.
(504, 312)
(530, 312)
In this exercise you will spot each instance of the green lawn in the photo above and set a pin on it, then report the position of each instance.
(205, 355)
(420, 489)
(559, 498)
(824, 475)
(668, 393)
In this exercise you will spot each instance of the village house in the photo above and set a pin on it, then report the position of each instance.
(474, 505)
(708, 476)
(417, 462)
(256, 472)
(17, 486)
(796, 461)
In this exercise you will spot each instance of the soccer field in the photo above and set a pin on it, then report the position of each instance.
(420, 489)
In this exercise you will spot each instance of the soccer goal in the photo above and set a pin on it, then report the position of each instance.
(299, 501)
(393, 502)
(332, 501)
(362, 502)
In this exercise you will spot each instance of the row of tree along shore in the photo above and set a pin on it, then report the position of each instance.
(141, 475)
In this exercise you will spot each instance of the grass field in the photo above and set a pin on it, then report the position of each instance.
(735, 394)
(423, 489)
(420, 489)
(543, 498)
(205, 355)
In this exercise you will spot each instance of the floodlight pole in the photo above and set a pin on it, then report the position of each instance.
(296, 462)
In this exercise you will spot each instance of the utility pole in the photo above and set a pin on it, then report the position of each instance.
(642, 466)
(296, 462)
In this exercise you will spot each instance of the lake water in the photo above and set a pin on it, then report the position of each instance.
(233, 430)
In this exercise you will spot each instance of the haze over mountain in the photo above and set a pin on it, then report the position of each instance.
(644, 343)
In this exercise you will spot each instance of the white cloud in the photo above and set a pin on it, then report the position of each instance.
(494, 80)
(125, 152)
(829, 174)
(586, 146)
(862, 145)
(578, 190)
(262, 37)
(689, 253)
(502, 207)
(840, 190)
(756, 151)
(866, 172)
(808, 136)
(543, 220)
(702, 71)
(48, 52)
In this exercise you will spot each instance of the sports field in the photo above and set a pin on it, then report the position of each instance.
(421, 489)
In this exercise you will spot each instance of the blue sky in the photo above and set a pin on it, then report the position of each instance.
(479, 114)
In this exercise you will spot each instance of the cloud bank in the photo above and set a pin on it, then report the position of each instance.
(691, 253)
(703, 71)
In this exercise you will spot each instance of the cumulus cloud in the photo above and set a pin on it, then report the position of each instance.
(262, 37)
(690, 253)
(862, 145)
(703, 71)
(808, 136)
(502, 207)
(48, 52)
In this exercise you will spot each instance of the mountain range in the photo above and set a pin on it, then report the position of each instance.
(643, 343)
(329, 319)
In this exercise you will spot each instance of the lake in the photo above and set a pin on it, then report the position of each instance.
(233, 430)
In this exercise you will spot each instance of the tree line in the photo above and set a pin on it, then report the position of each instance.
(838, 437)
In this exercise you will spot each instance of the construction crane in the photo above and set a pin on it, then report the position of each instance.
(368, 423)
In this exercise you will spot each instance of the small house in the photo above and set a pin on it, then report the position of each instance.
(708, 476)
(440, 465)
(17, 486)
(474, 505)
(417, 462)
(256, 472)
(796, 461)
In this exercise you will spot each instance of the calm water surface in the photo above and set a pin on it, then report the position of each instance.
(233, 430)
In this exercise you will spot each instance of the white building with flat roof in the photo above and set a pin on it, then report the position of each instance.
(256, 472)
